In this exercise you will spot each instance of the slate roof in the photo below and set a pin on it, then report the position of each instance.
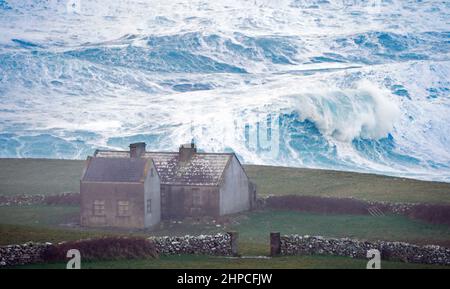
(130, 170)
(203, 169)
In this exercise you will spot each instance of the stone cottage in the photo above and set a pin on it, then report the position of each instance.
(120, 192)
(192, 183)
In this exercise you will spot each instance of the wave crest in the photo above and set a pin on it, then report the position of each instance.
(344, 115)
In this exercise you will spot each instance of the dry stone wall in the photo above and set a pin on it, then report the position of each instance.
(219, 244)
(399, 251)
(66, 198)
(27, 253)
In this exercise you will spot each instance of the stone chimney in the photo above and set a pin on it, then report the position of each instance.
(187, 151)
(137, 150)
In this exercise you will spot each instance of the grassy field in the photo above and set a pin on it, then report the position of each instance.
(208, 262)
(282, 181)
(19, 234)
(41, 223)
(253, 227)
(42, 176)
(39, 176)
(256, 226)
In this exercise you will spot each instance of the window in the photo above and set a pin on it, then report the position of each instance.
(123, 208)
(99, 208)
(149, 206)
(196, 198)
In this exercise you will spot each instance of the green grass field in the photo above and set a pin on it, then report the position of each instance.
(297, 181)
(19, 234)
(42, 176)
(39, 176)
(253, 227)
(41, 223)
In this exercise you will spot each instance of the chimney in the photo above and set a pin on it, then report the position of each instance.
(187, 151)
(137, 150)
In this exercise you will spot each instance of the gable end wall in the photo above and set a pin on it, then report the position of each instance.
(152, 192)
(234, 191)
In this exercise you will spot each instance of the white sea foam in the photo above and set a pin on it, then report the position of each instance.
(366, 111)
(360, 86)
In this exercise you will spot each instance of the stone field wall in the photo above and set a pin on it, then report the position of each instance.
(397, 251)
(224, 244)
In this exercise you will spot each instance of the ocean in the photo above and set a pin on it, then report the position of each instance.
(347, 85)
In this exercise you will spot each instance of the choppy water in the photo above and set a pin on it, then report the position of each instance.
(354, 85)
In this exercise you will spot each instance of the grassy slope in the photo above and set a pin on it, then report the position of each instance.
(39, 176)
(280, 180)
(33, 176)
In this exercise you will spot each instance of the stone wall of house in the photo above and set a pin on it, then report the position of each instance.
(399, 251)
(27, 253)
(219, 244)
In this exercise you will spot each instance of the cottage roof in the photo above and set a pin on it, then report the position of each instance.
(202, 169)
(129, 170)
